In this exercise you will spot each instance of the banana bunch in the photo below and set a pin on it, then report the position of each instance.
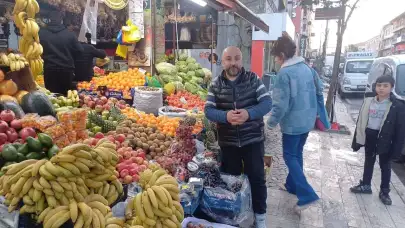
(24, 18)
(78, 183)
(159, 203)
(116, 4)
(15, 61)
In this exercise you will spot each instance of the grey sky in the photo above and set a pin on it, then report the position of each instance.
(366, 22)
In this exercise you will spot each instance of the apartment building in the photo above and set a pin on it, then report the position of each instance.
(398, 29)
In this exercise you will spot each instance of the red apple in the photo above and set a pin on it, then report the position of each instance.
(120, 158)
(127, 155)
(141, 154)
(134, 154)
(91, 104)
(7, 115)
(3, 126)
(94, 141)
(99, 135)
(111, 138)
(106, 107)
(99, 108)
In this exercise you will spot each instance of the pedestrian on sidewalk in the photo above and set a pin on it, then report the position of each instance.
(381, 130)
(237, 101)
(295, 109)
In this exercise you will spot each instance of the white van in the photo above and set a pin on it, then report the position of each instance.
(394, 64)
(354, 76)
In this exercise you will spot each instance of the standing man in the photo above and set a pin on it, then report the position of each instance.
(61, 47)
(84, 63)
(237, 101)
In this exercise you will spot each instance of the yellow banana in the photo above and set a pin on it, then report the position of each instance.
(63, 158)
(100, 217)
(14, 168)
(138, 207)
(81, 166)
(160, 194)
(106, 188)
(112, 198)
(73, 210)
(57, 219)
(52, 169)
(20, 5)
(96, 197)
(46, 174)
(69, 166)
(79, 222)
(51, 200)
(16, 189)
(36, 167)
(100, 206)
(43, 214)
(27, 200)
(35, 5)
(30, 9)
(44, 183)
(37, 195)
(28, 185)
(12, 66)
(147, 205)
(5, 60)
(48, 192)
(83, 154)
(56, 186)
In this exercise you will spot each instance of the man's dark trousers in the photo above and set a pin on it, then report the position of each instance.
(250, 159)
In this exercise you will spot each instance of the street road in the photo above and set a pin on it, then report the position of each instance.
(353, 104)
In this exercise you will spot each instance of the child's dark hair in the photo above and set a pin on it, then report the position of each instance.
(386, 79)
(284, 45)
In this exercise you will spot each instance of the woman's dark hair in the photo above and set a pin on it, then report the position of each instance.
(284, 45)
(213, 56)
(386, 79)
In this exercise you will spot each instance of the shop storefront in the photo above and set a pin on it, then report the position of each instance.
(280, 25)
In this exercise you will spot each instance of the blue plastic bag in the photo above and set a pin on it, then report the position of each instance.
(227, 207)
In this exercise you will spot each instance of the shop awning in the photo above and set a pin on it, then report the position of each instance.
(236, 7)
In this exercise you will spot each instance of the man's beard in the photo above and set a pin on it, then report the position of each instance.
(232, 71)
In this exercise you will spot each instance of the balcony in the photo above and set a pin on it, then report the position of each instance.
(400, 39)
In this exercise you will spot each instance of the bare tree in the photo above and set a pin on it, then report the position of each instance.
(342, 25)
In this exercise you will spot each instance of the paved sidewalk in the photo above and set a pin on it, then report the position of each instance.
(332, 168)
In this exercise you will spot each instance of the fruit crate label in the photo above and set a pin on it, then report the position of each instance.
(115, 94)
(88, 92)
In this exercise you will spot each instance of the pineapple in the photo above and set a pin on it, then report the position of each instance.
(95, 118)
(210, 136)
(116, 114)
(108, 126)
(190, 121)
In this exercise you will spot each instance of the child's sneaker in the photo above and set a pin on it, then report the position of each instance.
(385, 198)
(361, 188)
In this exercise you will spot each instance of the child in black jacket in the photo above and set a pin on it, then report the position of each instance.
(381, 130)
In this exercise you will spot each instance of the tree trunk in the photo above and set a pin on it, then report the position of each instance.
(335, 72)
(325, 44)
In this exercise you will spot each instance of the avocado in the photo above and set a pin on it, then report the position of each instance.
(53, 151)
(23, 149)
(45, 140)
(17, 145)
(33, 155)
(9, 153)
(21, 157)
(34, 144)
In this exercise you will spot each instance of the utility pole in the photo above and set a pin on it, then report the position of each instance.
(342, 25)
(325, 43)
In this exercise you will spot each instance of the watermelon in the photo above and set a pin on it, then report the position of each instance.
(10, 105)
(37, 102)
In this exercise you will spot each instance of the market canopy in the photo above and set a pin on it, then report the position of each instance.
(236, 7)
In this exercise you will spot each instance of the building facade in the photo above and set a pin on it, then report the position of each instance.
(398, 29)
(393, 37)
(303, 18)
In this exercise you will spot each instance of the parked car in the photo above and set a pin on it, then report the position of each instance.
(354, 76)
(393, 63)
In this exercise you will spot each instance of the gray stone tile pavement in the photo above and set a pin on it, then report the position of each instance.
(331, 168)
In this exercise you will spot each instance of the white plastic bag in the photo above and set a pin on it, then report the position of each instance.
(165, 111)
(185, 34)
(148, 101)
(89, 24)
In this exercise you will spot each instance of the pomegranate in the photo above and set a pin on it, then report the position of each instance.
(16, 124)
(3, 138)
(12, 135)
(120, 138)
(27, 131)
(3, 126)
(99, 135)
(7, 115)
